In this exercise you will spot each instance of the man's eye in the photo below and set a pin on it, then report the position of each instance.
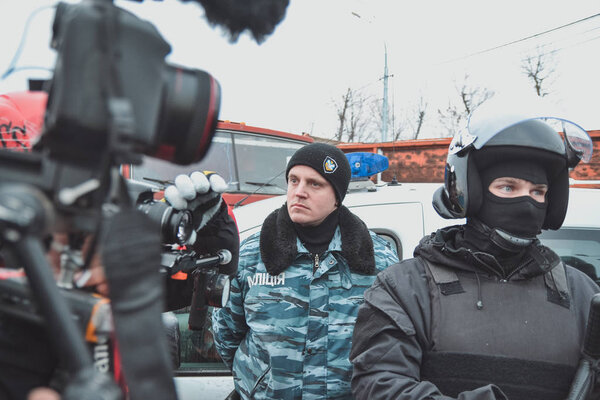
(316, 184)
(506, 188)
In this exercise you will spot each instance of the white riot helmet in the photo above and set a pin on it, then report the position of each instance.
(492, 137)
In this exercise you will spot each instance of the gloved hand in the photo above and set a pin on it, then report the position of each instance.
(200, 192)
(215, 227)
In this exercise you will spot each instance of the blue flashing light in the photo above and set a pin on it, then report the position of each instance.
(364, 165)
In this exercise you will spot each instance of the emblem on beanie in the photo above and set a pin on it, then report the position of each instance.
(329, 165)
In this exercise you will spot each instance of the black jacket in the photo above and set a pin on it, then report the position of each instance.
(450, 323)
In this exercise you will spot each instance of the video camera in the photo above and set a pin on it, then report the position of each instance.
(112, 99)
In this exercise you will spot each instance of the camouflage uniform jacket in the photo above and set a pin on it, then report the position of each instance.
(285, 331)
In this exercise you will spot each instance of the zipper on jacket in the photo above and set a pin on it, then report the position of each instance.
(316, 266)
(519, 268)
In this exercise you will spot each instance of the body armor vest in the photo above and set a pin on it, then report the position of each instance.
(520, 335)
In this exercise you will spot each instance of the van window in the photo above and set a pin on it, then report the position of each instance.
(391, 238)
(248, 163)
(197, 348)
(579, 248)
(262, 161)
(219, 158)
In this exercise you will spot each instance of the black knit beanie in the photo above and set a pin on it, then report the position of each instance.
(329, 161)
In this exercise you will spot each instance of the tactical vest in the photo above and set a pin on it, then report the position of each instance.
(520, 335)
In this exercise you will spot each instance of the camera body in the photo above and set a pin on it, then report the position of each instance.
(112, 89)
(112, 99)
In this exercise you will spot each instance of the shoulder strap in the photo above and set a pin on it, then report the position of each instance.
(556, 283)
(444, 277)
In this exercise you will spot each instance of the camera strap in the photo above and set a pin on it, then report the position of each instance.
(131, 252)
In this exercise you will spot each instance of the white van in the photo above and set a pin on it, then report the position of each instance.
(403, 214)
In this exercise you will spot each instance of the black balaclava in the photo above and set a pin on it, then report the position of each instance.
(522, 216)
(503, 227)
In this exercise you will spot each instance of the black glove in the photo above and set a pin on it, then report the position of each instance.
(215, 228)
(200, 192)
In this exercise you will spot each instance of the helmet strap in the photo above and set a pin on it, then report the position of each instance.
(504, 241)
(509, 242)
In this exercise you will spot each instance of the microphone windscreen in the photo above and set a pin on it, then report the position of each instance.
(260, 17)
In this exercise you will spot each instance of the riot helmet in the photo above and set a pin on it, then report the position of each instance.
(490, 137)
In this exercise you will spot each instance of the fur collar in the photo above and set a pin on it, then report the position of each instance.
(278, 242)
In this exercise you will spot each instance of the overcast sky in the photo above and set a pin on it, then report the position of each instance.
(323, 47)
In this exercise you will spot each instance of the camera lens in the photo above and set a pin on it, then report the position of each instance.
(184, 227)
(175, 226)
(190, 113)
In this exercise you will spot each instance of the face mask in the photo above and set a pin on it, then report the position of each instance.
(519, 216)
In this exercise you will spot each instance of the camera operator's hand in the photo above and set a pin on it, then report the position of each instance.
(92, 277)
(200, 193)
(215, 227)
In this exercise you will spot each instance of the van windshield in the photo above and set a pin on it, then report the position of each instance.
(248, 162)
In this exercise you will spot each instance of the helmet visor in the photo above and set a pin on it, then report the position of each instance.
(487, 122)
(578, 139)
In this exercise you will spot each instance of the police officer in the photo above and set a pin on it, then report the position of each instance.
(286, 330)
(484, 310)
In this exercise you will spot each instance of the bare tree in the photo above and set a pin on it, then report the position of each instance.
(354, 123)
(451, 118)
(397, 133)
(421, 113)
(406, 127)
(471, 97)
(357, 122)
(398, 128)
(342, 109)
(539, 68)
(376, 122)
